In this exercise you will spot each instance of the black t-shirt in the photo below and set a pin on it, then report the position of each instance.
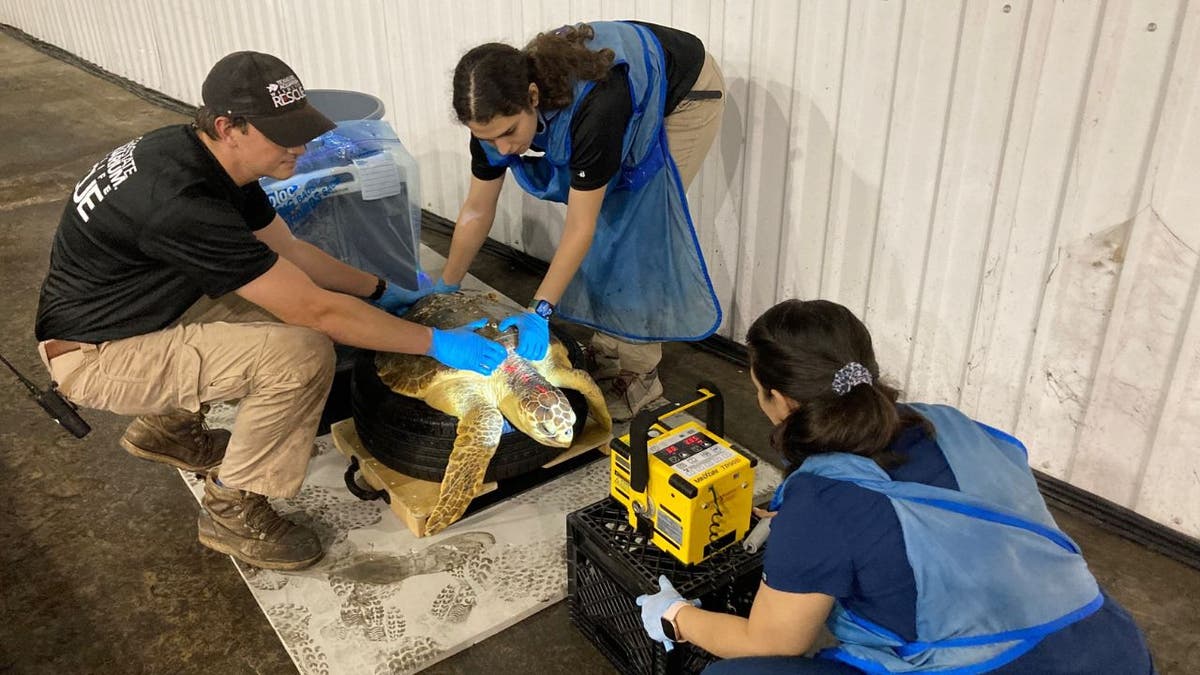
(598, 128)
(153, 226)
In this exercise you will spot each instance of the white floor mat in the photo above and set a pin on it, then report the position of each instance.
(383, 601)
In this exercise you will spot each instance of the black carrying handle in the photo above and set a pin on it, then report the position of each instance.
(639, 457)
(639, 431)
(358, 490)
(715, 411)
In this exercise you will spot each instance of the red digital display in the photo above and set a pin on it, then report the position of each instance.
(690, 444)
(682, 449)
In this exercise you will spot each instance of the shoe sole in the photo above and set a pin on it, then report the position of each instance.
(142, 453)
(211, 541)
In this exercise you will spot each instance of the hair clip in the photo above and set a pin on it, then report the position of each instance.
(850, 376)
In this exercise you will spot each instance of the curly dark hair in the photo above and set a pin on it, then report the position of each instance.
(493, 79)
(795, 348)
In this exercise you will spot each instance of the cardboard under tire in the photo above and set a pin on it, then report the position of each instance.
(412, 499)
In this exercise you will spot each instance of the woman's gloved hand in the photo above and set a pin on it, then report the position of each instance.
(463, 348)
(442, 287)
(397, 299)
(655, 606)
(533, 334)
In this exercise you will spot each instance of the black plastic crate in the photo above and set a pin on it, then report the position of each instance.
(609, 564)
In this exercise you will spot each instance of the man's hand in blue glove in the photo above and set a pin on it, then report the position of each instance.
(533, 334)
(655, 606)
(463, 348)
(442, 287)
(397, 299)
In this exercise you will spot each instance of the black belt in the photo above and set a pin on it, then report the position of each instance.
(702, 94)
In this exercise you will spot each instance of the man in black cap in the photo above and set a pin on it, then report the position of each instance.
(173, 284)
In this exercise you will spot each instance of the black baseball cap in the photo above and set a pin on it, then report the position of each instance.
(267, 92)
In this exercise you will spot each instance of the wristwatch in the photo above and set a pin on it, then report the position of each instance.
(380, 287)
(669, 627)
(543, 308)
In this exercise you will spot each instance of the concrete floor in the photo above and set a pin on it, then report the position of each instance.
(100, 570)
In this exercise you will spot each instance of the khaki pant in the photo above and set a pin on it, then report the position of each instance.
(693, 125)
(691, 129)
(217, 351)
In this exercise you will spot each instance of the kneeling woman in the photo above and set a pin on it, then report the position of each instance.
(916, 534)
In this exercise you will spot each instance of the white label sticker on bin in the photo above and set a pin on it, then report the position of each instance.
(378, 176)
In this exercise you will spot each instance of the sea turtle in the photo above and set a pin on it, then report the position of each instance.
(525, 392)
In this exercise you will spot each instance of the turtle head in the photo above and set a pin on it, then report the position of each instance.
(539, 409)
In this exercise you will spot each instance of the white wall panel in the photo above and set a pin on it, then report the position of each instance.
(1005, 191)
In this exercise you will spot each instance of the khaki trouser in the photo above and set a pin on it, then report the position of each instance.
(217, 351)
(693, 125)
(691, 129)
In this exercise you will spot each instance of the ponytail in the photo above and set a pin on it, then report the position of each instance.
(864, 421)
(819, 354)
(560, 58)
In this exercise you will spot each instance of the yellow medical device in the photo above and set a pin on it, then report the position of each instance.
(687, 489)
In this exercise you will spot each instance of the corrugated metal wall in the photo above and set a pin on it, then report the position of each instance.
(1006, 191)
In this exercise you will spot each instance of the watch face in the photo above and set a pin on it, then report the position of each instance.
(543, 309)
(668, 629)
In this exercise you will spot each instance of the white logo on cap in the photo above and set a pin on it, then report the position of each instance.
(285, 91)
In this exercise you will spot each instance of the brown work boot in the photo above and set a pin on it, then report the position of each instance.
(180, 439)
(242, 524)
(629, 392)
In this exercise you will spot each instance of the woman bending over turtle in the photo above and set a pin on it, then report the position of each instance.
(613, 119)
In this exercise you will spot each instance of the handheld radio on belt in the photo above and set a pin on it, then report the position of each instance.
(59, 408)
(687, 489)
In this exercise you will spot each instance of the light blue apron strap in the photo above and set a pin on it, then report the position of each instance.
(995, 517)
(1034, 633)
(1026, 639)
(777, 498)
(1007, 656)
(639, 106)
(1004, 437)
(871, 626)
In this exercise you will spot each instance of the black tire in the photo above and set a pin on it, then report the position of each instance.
(407, 435)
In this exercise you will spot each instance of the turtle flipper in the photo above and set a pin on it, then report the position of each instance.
(558, 371)
(480, 426)
(405, 374)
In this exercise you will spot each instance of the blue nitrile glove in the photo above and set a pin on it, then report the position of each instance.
(396, 299)
(442, 287)
(533, 335)
(463, 348)
(654, 606)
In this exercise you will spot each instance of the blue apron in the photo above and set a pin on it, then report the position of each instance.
(994, 573)
(644, 277)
